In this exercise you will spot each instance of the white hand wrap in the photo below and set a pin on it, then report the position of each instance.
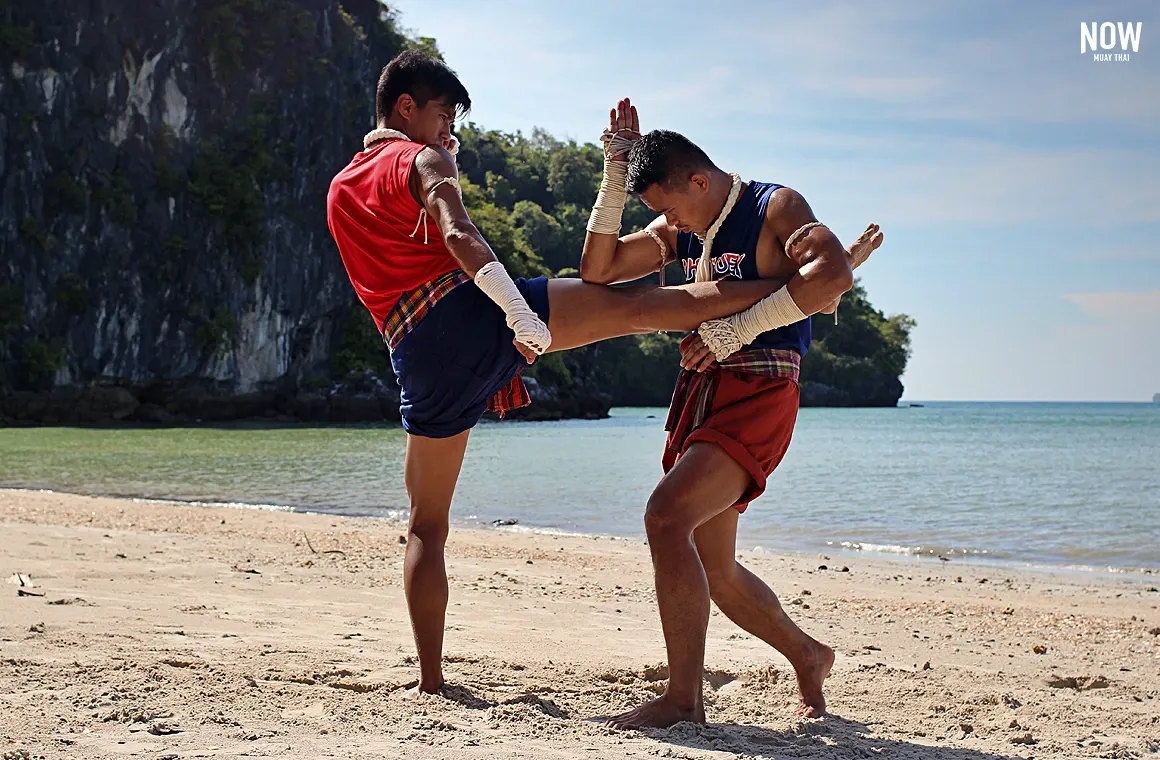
(530, 330)
(616, 144)
(605, 216)
(726, 336)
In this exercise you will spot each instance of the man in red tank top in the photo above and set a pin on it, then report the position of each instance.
(459, 328)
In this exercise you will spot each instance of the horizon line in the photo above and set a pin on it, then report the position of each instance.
(1026, 401)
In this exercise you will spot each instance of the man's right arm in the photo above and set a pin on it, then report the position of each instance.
(608, 259)
(438, 189)
(437, 186)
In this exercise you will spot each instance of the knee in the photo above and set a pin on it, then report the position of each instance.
(666, 519)
(429, 532)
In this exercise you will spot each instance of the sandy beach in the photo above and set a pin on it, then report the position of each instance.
(171, 631)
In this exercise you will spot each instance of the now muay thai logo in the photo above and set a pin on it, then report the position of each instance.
(725, 265)
(1107, 36)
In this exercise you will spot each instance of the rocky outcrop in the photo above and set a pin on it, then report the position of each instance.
(550, 403)
(362, 397)
(882, 390)
(70, 405)
(163, 173)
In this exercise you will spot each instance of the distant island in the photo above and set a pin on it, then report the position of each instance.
(1156, 398)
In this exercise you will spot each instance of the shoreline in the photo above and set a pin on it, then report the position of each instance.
(180, 631)
(906, 558)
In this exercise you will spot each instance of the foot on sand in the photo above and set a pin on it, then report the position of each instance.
(811, 675)
(659, 713)
(420, 689)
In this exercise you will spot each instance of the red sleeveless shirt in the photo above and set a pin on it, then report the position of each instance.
(375, 222)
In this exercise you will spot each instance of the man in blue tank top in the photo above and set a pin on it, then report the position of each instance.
(735, 404)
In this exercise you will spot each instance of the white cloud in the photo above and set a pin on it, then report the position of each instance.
(1116, 306)
(1020, 64)
(1007, 357)
(1105, 362)
(961, 181)
(1120, 252)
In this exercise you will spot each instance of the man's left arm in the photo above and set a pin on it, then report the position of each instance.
(823, 265)
(823, 274)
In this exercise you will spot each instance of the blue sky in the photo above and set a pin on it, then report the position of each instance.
(1017, 180)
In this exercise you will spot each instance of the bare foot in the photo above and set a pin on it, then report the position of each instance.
(811, 674)
(867, 243)
(419, 689)
(659, 713)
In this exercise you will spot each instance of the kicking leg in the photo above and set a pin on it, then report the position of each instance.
(432, 469)
(705, 482)
(583, 313)
(753, 606)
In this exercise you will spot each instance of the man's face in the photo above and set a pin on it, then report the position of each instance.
(430, 123)
(685, 205)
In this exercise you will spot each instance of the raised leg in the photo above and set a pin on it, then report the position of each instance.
(431, 471)
(753, 606)
(584, 313)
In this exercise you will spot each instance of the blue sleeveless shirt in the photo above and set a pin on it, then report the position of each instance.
(735, 255)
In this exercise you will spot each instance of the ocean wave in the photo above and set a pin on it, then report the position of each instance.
(988, 557)
(916, 551)
(230, 504)
(535, 529)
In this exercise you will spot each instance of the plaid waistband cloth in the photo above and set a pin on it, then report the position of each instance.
(413, 306)
(409, 312)
(693, 395)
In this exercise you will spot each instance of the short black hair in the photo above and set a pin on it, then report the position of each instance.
(663, 158)
(423, 77)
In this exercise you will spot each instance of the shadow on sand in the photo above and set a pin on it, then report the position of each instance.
(832, 738)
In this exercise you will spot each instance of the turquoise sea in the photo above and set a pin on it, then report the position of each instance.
(1074, 485)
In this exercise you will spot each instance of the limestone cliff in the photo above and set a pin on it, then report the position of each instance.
(163, 172)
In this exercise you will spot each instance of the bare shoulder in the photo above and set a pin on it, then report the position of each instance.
(432, 165)
(786, 213)
(787, 208)
(435, 162)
